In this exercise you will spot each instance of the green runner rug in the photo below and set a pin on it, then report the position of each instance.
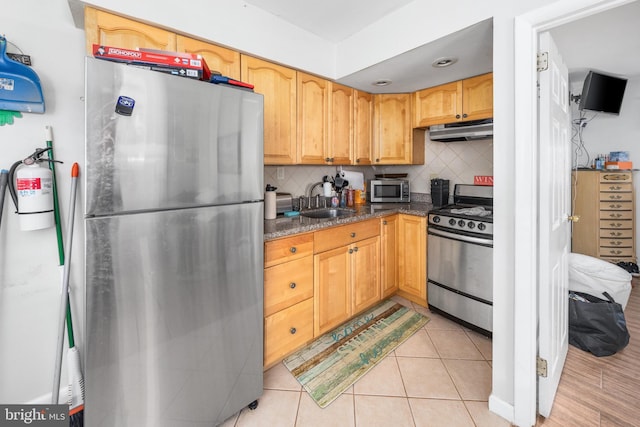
(337, 359)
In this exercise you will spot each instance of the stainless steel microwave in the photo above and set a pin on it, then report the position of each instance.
(389, 190)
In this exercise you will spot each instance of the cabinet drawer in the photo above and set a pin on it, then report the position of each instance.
(287, 249)
(615, 177)
(344, 235)
(616, 223)
(616, 252)
(625, 187)
(620, 234)
(287, 330)
(616, 214)
(615, 243)
(287, 284)
(615, 197)
(615, 206)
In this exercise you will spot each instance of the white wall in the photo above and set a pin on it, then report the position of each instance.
(44, 29)
(29, 274)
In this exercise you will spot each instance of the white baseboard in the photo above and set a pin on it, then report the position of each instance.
(501, 408)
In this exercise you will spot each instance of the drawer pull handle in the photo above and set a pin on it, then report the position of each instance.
(615, 215)
(615, 197)
(293, 249)
(618, 234)
(615, 243)
(353, 234)
(292, 285)
(615, 206)
(615, 224)
(293, 331)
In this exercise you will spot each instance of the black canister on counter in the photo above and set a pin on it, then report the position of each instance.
(439, 192)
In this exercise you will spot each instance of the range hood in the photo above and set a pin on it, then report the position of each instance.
(463, 131)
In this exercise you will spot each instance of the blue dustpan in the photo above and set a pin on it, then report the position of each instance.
(20, 88)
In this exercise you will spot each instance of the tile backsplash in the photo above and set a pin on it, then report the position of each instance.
(458, 162)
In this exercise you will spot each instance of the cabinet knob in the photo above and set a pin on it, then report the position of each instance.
(377, 160)
(355, 249)
(292, 285)
(327, 159)
(293, 331)
(457, 116)
(357, 160)
(293, 249)
(384, 222)
(350, 251)
(353, 234)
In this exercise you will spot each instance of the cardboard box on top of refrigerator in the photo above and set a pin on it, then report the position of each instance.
(192, 64)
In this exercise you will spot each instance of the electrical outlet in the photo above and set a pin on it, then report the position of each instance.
(280, 173)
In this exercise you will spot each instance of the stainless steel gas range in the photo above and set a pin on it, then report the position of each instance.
(460, 261)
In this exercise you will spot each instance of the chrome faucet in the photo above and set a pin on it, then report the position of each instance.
(313, 187)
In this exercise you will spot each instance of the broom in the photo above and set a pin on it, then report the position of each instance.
(76, 381)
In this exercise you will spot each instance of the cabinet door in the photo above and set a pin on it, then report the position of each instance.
(438, 105)
(363, 127)
(365, 258)
(392, 129)
(412, 257)
(278, 85)
(313, 119)
(388, 248)
(332, 289)
(340, 143)
(477, 97)
(220, 59)
(111, 30)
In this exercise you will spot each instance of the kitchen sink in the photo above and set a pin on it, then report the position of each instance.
(327, 213)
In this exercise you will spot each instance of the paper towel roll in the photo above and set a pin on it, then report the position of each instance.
(356, 179)
(326, 188)
(270, 205)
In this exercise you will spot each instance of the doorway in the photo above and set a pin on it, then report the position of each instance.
(527, 29)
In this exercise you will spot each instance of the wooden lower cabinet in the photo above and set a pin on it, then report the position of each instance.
(286, 331)
(388, 258)
(288, 296)
(412, 258)
(346, 275)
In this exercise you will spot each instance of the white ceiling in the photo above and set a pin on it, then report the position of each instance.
(608, 41)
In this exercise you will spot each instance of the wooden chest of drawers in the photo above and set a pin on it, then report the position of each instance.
(604, 201)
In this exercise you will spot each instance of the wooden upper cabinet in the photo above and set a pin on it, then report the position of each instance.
(340, 144)
(440, 104)
(278, 85)
(392, 129)
(362, 127)
(220, 59)
(477, 97)
(469, 99)
(313, 119)
(111, 30)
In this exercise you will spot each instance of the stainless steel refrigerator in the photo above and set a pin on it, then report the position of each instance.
(174, 248)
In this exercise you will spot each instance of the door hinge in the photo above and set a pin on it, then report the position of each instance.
(543, 61)
(541, 367)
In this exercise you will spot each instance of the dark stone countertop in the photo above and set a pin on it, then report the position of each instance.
(287, 226)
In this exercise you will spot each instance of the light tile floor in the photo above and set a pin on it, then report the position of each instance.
(441, 376)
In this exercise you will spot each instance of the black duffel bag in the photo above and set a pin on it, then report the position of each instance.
(596, 325)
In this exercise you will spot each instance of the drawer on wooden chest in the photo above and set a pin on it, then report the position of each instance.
(616, 252)
(616, 223)
(287, 284)
(621, 233)
(287, 249)
(287, 330)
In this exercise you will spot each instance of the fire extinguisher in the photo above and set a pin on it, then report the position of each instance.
(31, 188)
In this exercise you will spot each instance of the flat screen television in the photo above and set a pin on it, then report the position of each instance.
(602, 93)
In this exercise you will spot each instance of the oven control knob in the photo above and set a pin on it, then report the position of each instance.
(452, 221)
(471, 225)
(481, 227)
(461, 223)
(436, 219)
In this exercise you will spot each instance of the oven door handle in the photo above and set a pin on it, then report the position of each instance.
(460, 237)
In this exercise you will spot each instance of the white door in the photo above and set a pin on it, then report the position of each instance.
(554, 226)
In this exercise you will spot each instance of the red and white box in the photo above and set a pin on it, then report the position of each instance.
(193, 64)
(483, 180)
